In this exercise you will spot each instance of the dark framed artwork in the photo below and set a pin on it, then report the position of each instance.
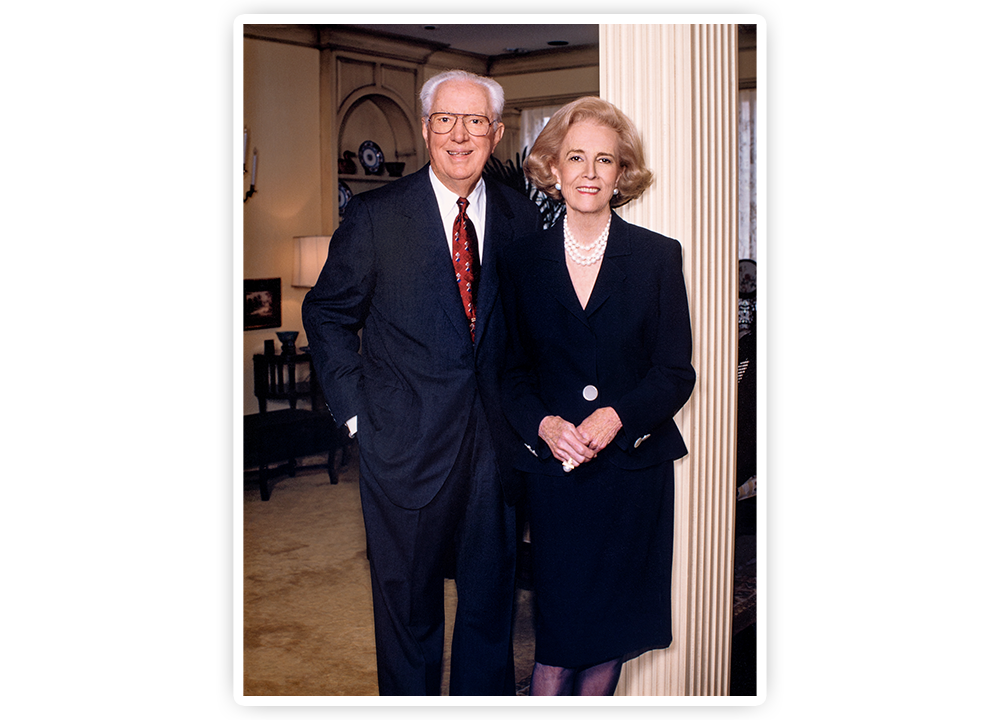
(261, 303)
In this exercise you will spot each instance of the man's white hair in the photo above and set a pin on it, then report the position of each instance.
(491, 86)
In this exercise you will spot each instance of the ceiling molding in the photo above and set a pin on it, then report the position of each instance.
(544, 60)
(332, 37)
(516, 106)
(304, 35)
(389, 45)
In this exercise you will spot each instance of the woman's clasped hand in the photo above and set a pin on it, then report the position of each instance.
(577, 445)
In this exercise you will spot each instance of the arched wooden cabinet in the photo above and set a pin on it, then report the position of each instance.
(372, 101)
(377, 118)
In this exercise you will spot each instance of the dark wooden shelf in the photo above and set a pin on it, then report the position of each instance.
(366, 178)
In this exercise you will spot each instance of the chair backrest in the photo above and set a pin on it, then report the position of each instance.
(283, 378)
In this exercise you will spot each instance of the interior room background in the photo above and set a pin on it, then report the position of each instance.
(312, 93)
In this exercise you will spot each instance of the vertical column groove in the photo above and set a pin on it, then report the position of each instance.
(679, 84)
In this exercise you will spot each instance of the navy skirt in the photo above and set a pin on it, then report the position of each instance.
(602, 546)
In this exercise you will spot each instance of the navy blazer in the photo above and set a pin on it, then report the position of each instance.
(632, 344)
(418, 375)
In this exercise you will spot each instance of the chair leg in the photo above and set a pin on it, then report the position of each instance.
(345, 448)
(331, 462)
(265, 491)
(331, 467)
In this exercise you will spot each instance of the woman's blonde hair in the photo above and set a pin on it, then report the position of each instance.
(635, 177)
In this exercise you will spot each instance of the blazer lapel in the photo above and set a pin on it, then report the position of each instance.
(609, 280)
(555, 274)
(612, 275)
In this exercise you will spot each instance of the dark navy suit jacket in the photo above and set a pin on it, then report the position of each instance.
(632, 344)
(418, 375)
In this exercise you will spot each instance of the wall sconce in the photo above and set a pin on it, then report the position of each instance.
(310, 256)
(253, 172)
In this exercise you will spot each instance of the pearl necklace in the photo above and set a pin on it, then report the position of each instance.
(585, 254)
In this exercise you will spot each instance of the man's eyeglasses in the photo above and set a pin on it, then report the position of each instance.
(444, 123)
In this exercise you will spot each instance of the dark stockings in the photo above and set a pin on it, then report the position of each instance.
(594, 680)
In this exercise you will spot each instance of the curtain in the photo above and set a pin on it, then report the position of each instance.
(532, 122)
(748, 174)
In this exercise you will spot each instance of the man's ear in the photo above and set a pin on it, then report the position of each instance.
(497, 136)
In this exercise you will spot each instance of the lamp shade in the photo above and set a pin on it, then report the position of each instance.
(310, 256)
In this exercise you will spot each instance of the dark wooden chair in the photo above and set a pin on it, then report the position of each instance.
(284, 435)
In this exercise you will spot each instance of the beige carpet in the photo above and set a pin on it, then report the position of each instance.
(307, 593)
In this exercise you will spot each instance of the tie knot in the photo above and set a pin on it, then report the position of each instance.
(462, 204)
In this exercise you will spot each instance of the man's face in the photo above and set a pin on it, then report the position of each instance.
(458, 157)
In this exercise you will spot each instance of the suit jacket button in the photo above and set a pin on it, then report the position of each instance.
(590, 393)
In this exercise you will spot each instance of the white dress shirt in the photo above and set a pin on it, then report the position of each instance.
(448, 207)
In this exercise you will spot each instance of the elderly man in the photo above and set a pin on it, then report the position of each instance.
(437, 489)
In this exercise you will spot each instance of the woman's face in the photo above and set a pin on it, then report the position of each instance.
(588, 167)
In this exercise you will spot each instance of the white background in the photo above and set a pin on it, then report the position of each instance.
(116, 178)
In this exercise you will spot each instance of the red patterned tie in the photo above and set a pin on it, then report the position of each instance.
(465, 256)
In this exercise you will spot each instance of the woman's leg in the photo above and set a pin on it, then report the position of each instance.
(595, 680)
(598, 679)
(551, 680)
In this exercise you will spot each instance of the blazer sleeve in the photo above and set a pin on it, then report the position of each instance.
(670, 378)
(522, 404)
(335, 310)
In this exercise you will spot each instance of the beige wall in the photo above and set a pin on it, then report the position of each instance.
(536, 88)
(281, 110)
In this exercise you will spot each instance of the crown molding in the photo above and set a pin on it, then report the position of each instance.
(545, 60)
(304, 35)
(342, 38)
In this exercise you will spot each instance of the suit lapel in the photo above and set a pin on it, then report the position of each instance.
(430, 243)
(498, 231)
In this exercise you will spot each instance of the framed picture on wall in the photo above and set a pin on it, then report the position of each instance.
(261, 304)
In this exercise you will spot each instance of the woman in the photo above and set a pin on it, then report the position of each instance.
(600, 362)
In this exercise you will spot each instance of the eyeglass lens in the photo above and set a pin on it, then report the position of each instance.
(442, 123)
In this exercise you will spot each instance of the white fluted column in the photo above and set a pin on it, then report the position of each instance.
(679, 84)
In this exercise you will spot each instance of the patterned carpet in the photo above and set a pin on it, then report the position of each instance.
(307, 594)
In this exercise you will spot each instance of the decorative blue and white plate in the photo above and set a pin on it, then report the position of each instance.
(345, 194)
(371, 157)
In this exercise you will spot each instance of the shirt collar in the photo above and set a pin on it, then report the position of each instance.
(448, 201)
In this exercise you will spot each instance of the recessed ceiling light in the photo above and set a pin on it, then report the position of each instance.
(558, 42)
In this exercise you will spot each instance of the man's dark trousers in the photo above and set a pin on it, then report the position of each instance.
(462, 529)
